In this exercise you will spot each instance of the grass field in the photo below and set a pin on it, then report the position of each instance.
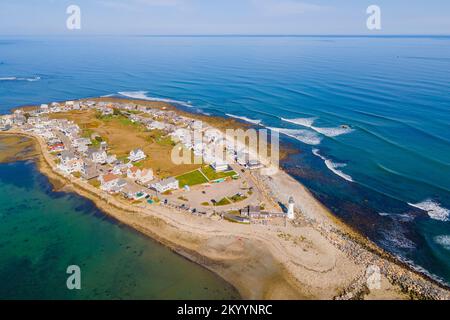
(238, 197)
(223, 202)
(212, 175)
(191, 179)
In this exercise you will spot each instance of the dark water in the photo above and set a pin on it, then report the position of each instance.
(43, 232)
(389, 175)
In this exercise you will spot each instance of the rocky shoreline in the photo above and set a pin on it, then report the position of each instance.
(285, 278)
(365, 252)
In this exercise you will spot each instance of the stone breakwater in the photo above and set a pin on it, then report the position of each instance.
(365, 253)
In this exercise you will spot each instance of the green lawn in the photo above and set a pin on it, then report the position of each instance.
(191, 179)
(212, 175)
(237, 198)
(223, 202)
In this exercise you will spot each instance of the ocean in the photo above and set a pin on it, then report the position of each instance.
(369, 116)
(43, 232)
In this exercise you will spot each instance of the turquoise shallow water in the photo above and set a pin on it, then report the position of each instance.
(43, 232)
(389, 175)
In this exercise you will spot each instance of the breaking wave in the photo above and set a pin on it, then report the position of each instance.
(304, 136)
(334, 167)
(434, 209)
(332, 132)
(31, 79)
(404, 217)
(258, 122)
(305, 122)
(143, 96)
(443, 240)
(329, 132)
(397, 239)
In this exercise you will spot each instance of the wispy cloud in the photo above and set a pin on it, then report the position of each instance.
(286, 7)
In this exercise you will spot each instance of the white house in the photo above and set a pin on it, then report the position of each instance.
(219, 166)
(166, 185)
(242, 158)
(98, 156)
(81, 141)
(156, 125)
(82, 148)
(108, 181)
(43, 108)
(70, 163)
(67, 156)
(254, 164)
(73, 165)
(107, 111)
(198, 148)
(111, 159)
(137, 155)
(143, 176)
(121, 168)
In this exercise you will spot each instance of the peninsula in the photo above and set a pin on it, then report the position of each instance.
(265, 234)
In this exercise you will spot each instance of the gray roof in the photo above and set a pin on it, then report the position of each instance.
(167, 181)
(67, 154)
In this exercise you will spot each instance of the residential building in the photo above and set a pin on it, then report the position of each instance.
(97, 156)
(108, 181)
(166, 185)
(136, 155)
(143, 176)
(133, 192)
(89, 170)
(219, 166)
(254, 164)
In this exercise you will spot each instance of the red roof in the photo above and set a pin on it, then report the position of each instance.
(134, 169)
(110, 177)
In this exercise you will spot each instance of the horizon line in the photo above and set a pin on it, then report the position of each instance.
(231, 35)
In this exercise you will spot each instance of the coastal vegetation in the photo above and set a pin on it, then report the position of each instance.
(222, 202)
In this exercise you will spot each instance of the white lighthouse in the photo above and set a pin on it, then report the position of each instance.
(290, 212)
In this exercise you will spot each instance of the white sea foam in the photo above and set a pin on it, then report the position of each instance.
(329, 132)
(31, 79)
(398, 239)
(405, 217)
(434, 209)
(443, 240)
(305, 122)
(143, 95)
(304, 136)
(332, 132)
(333, 166)
(258, 122)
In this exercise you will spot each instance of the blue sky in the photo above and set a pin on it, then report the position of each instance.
(29, 17)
